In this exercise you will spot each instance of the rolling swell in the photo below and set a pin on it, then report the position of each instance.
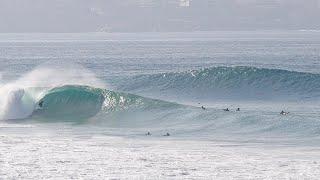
(227, 83)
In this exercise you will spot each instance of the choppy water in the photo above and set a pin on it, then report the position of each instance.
(127, 84)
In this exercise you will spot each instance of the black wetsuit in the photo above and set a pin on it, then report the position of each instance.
(40, 103)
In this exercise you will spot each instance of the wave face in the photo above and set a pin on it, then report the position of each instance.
(228, 83)
(71, 102)
(74, 102)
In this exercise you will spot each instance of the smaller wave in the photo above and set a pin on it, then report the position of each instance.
(227, 83)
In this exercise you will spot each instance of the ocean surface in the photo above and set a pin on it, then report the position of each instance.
(80, 105)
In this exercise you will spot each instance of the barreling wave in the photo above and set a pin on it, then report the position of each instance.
(73, 102)
(234, 83)
(80, 103)
(70, 102)
(121, 110)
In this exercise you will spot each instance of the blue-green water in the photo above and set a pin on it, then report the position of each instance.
(157, 82)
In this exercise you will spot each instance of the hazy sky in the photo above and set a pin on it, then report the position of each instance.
(156, 15)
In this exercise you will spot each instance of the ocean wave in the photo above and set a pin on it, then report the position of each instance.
(70, 102)
(115, 109)
(73, 102)
(227, 83)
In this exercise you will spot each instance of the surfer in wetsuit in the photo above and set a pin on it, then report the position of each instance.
(238, 109)
(40, 104)
(148, 134)
(284, 113)
(167, 134)
(203, 108)
(226, 109)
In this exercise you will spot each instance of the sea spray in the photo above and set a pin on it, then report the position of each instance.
(18, 98)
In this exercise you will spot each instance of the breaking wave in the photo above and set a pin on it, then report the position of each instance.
(73, 102)
(70, 102)
(115, 109)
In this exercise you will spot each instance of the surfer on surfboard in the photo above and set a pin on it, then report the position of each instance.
(148, 134)
(40, 103)
(284, 113)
